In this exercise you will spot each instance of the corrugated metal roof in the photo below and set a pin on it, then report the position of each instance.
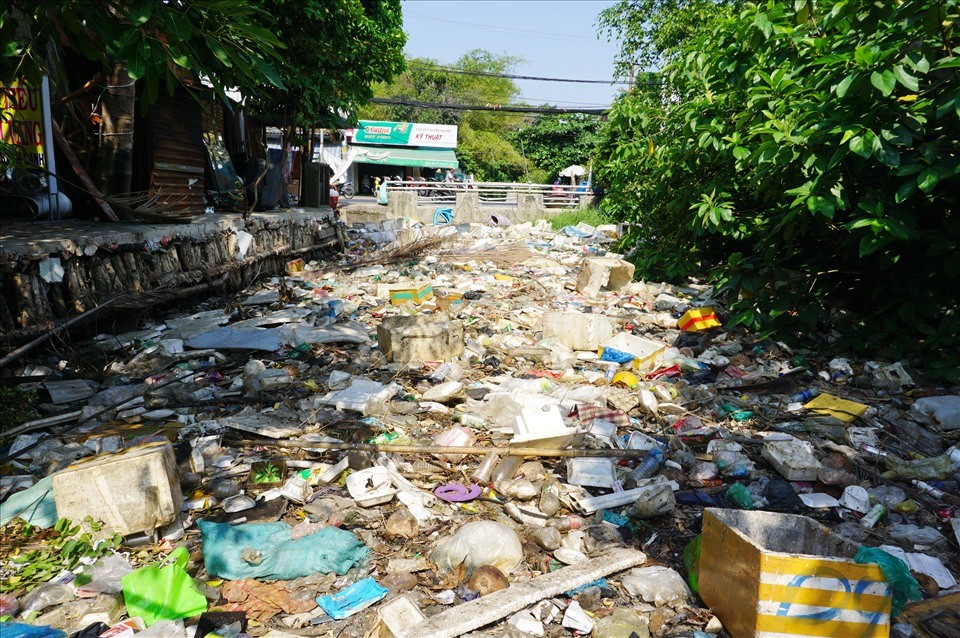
(178, 156)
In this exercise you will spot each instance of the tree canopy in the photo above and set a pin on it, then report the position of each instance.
(308, 59)
(805, 156)
(483, 145)
(554, 142)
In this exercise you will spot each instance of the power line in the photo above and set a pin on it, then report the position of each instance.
(489, 107)
(447, 69)
(563, 37)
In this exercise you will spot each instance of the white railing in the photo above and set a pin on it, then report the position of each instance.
(492, 193)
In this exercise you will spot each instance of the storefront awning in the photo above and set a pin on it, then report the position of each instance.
(401, 156)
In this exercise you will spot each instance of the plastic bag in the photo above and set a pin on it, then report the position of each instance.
(163, 592)
(905, 587)
(480, 543)
(21, 630)
(937, 467)
(691, 562)
(657, 584)
(106, 576)
(47, 595)
(279, 556)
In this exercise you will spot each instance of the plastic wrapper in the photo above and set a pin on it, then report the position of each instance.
(480, 543)
(905, 587)
(46, 596)
(353, 599)
(937, 467)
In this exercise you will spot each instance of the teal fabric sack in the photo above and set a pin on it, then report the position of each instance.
(273, 555)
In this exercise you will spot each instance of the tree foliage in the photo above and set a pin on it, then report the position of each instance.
(483, 144)
(335, 50)
(648, 32)
(554, 142)
(805, 155)
(227, 41)
(311, 60)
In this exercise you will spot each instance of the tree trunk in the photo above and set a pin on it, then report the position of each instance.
(115, 153)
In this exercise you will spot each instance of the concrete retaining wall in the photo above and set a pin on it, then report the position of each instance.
(157, 262)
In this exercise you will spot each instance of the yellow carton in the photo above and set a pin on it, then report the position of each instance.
(697, 319)
(765, 574)
(400, 296)
(829, 405)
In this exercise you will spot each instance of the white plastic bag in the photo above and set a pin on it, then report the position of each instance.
(657, 584)
(480, 543)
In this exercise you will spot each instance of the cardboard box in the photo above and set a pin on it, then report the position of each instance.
(400, 296)
(697, 319)
(765, 574)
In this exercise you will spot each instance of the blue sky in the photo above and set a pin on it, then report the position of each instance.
(556, 38)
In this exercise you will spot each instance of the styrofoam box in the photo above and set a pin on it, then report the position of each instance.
(133, 491)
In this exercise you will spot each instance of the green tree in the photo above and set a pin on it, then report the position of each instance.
(336, 50)
(805, 155)
(483, 144)
(228, 42)
(554, 142)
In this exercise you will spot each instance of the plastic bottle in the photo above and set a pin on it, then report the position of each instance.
(481, 475)
(649, 466)
(806, 395)
(926, 487)
(506, 469)
(550, 497)
(873, 516)
(870, 450)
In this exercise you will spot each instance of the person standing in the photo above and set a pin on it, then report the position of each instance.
(334, 197)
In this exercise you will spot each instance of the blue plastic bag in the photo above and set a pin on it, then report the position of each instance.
(280, 557)
(21, 630)
(354, 598)
(616, 356)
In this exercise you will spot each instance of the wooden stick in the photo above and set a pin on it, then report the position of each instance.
(54, 330)
(82, 174)
(445, 449)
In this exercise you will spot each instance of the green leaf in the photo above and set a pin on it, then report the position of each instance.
(927, 180)
(904, 78)
(862, 145)
(844, 85)
(868, 245)
(137, 65)
(906, 189)
(884, 82)
(140, 11)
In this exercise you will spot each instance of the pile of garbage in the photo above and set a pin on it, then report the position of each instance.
(485, 430)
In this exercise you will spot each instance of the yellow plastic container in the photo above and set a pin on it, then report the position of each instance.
(697, 319)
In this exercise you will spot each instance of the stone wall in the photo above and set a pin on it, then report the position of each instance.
(137, 266)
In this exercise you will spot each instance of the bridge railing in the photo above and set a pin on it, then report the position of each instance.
(493, 193)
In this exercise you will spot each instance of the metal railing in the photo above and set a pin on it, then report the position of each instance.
(492, 193)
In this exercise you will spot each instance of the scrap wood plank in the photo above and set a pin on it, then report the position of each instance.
(500, 604)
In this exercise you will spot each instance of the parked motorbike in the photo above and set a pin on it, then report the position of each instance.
(346, 189)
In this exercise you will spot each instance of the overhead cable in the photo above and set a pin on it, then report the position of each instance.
(503, 108)
(447, 69)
